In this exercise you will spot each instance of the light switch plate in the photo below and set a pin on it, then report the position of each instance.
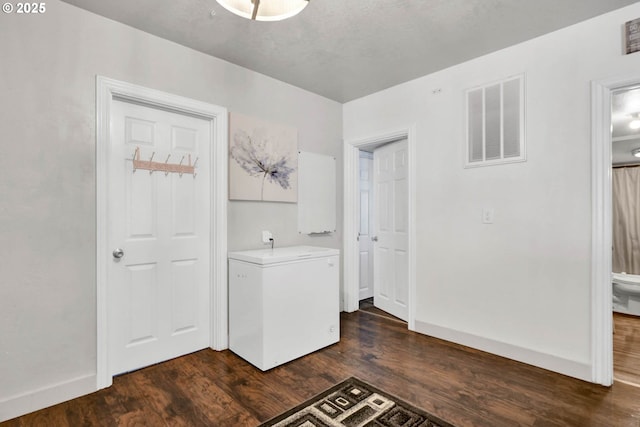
(487, 216)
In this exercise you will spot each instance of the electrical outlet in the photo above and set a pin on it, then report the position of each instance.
(266, 237)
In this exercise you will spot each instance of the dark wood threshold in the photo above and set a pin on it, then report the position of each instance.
(366, 306)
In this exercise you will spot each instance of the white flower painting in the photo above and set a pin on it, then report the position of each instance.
(263, 160)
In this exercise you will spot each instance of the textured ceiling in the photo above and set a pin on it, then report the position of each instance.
(346, 49)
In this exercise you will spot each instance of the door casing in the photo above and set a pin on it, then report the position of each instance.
(365, 239)
(106, 90)
(351, 215)
(601, 226)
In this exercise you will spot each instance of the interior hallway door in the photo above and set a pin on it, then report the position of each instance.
(391, 240)
(159, 232)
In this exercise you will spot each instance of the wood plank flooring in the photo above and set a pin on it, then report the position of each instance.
(626, 348)
(463, 386)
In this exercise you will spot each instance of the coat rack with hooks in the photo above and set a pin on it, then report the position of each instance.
(165, 167)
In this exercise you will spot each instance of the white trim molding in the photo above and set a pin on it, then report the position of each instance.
(106, 90)
(44, 397)
(601, 233)
(351, 273)
(561, 365)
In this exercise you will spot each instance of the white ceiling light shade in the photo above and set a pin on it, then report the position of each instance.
(636, 152)
(264, 10)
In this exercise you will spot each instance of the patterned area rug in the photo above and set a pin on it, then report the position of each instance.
(354, 403)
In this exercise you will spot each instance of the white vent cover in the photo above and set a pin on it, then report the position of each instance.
(495, 123)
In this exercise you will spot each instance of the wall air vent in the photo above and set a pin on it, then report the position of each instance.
(495, 123)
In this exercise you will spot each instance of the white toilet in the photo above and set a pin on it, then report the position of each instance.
(626, 293)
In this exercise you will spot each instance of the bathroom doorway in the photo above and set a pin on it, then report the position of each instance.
(601, 225)
(625, 230)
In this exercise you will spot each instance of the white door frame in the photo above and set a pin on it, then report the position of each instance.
(351, 269)
(601, 227)
(371, 218)
(106, 90)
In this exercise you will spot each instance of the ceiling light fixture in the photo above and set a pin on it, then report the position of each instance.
(635, 123)
(264, 10)
(636, 152)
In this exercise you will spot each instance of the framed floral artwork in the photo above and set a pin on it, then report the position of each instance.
(263, 160)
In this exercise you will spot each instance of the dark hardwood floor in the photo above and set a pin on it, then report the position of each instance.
(626, 349)
(462, 386)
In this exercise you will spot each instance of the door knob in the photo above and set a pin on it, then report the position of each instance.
(118, 253)
(374, 239)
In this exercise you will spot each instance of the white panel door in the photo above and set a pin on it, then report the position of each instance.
(158, 291)
(391, 279)
(366, 225)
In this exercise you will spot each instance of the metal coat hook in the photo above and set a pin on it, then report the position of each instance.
(167, 162)
(150, 160)
(180, 164)
(136, 155)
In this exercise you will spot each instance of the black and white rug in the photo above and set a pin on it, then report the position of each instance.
(354, 403)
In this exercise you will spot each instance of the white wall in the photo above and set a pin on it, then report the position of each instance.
(48, 66)
(521, 286)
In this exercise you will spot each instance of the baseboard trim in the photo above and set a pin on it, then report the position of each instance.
(21, 404)
(549, 362)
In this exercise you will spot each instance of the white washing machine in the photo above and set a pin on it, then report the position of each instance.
(284, 303)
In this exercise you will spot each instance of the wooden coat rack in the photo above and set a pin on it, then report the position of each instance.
(165, 167)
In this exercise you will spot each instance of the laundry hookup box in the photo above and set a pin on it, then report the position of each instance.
(284, 303)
